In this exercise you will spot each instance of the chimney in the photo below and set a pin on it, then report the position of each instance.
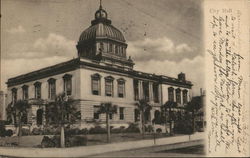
(181, 77)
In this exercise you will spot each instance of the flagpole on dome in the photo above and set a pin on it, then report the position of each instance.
(100, 4)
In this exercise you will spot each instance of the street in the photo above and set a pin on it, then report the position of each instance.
(195, 151)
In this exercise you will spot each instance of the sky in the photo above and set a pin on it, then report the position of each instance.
(164, 37)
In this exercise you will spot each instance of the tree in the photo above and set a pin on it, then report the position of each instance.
(167, 107)
(143, 107)
(109, 109)
(60, 112)
(18, 112)
(193, 106)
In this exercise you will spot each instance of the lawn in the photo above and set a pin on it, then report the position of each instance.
(92, 139)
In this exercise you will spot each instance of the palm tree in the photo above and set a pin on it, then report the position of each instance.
(17, 111)
(108, 108)
(143, 106)
(62, 111)
(168, 106)
(193, 106)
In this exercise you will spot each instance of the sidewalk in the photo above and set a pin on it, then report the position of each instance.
(97, 149)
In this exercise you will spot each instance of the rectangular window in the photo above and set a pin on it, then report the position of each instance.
(68, 86)
(109, 88)
(136, 89)
(121, 89)
(121, 109)
(110, 116)
(38, 90)
(25, 92)
(184, 96)
(171, 94)
(52, 89)
(178, 96)
(14, 95)
(95, 86)
(156, 92)
(110, 47)
(146, 90)
(96, 112)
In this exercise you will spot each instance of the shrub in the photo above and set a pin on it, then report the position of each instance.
(118, 130)
(51, 131)
(158, 130)
(149, 128)
(69, 141)
(2, 129)
(9, 133)
(25, 132)
(97, 130)
(183, 127)
(132, 128)
(37, 131)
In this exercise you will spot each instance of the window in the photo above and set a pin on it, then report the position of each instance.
(116, 49)
(136, 89)
(67, 79)
(96, 87)
(110, 47)
(110, 116)
(52, 88)
(156, 92)
(171, 94)
(121, 110)
(121, 88)
(101, 46)
(184, 96)
(109, 86)
(39, 117)
(146, 90)
(137, 115)
(178, 95)
(14, 94)
(25, 92)
(96, 112)
(37, 90)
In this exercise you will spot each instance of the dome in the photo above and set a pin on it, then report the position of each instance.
(101, 30)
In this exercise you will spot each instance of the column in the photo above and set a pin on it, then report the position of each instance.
(151, 94)
(140, 89)
(44, 114)
(181, 94)
(174, 91)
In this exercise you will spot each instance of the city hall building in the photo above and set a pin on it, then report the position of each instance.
(102, 73)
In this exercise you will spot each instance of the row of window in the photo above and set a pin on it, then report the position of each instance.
(145, 90)
(117, 49)
(178, 95)
(97, 114)
(109, 86)
(51, 90)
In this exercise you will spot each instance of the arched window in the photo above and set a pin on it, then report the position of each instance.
(37, 90)
(157, 117)
(52, 88)
(67, 79)
(25, 92)
(39, 117)
(109, 86)
(96, 86)
(121, 87)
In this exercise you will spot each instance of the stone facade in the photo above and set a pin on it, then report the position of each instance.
(101, 73)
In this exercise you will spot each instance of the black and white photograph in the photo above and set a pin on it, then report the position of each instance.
(103, 78)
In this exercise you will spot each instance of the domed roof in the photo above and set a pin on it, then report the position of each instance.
(101, 28)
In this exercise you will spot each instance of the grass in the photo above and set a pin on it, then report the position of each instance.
(92, 139)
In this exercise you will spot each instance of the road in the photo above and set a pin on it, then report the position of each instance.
(195, 151)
